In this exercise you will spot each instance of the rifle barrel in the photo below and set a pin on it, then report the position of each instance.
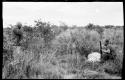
(100, 47)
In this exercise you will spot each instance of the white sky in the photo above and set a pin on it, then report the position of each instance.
(72, 13)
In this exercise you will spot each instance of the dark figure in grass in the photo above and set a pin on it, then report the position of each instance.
(108, 51)
(17, 33)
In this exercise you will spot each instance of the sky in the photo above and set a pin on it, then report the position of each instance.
(71, 13)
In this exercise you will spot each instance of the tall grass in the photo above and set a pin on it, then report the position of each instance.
(52, 52)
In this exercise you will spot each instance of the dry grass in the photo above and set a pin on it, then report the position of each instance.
(64, 56)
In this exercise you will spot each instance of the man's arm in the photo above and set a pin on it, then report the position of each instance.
(106, 51)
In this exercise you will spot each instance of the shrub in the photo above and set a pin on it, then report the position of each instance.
(115, 36)
(45, 30)
(86, 41)
(113, 67)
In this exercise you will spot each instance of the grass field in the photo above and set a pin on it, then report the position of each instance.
(53, 52)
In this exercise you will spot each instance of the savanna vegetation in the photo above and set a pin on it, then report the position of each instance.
(49, 51)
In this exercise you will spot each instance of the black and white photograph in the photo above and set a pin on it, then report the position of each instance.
(62, 40)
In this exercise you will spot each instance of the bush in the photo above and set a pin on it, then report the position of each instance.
(45, 31)
(113, 67)
(115, 36)
(86, 41)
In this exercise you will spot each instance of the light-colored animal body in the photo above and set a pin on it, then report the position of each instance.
(94, 57)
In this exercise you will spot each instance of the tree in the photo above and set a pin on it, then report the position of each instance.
(63, 26)
(109, 26)
(100, 30)
(90, 26)
(45, 31)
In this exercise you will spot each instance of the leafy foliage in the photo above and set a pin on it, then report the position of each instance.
(52, 52)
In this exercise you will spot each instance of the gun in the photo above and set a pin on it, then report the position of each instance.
(100, 48)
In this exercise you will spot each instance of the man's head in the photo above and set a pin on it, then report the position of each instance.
(19, 25)
(106, 42)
